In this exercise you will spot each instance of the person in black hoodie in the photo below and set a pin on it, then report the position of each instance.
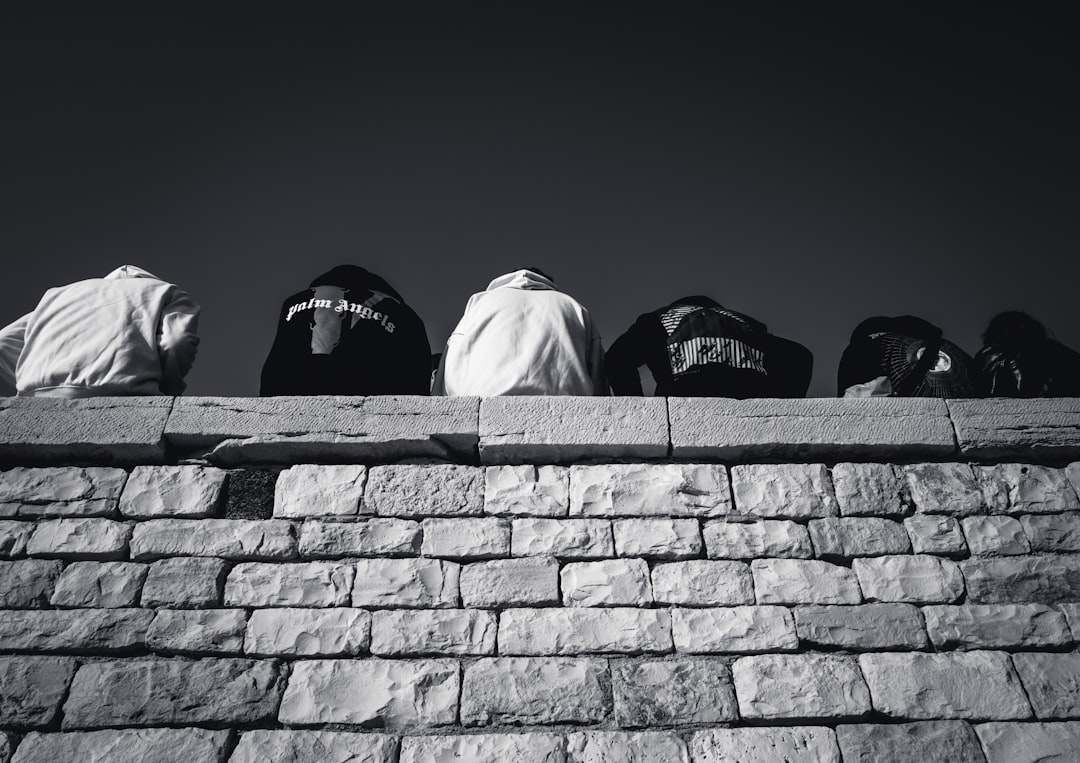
(349, 333)
(694, 347)
(1020, 358)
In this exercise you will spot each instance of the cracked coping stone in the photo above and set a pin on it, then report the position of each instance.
(1026, 429)
(325, 429)
(99, 430)
(866, 429)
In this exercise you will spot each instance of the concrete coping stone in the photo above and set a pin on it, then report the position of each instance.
(995, 428)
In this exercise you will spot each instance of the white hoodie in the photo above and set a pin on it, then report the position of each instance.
(522, 337)
(129, 333)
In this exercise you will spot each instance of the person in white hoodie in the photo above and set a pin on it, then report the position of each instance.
(129, 333)
(522, 336)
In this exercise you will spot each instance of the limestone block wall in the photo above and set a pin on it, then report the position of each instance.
(539, 579)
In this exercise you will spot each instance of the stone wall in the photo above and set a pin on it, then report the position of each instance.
(539, 579)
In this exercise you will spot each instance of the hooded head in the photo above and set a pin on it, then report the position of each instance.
(131, 271)
(524, 278)
(355, 278)
(1014, 330)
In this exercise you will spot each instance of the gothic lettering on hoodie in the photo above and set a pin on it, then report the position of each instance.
(338, 307)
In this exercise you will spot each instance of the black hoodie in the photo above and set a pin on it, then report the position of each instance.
(349, 333)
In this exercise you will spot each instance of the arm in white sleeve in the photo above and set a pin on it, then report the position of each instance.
(178, 341)
(12, 339)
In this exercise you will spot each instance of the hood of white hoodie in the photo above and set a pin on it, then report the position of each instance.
(522, 279)
(131, 271)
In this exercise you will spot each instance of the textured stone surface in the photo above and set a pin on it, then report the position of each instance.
(868, 626)
(621, 746)
(173, 692)
(484, 748)
(290, 430)
(531, 690)
(995, 626)
(1072, 473)
(798, 581)
(916, 578)
(701, 583)
(632, 490)
(236, 539)
(1041, 579)
(249, 494)
(657, 538)
(70, 491)
(773, 686)
(173, 491)
(80, 539)
(295, 746)
(527, 490)
(196, 632)
(420, 491)
(935, 534)
(421, 632)
(1052, 683)
(14, 536)
(790, 744)
(547, 429)
(564, 538)
(99, 584)
(481, 538)
(511, 583)
(184, 582)
(405, 583)
(372, 537)
(376, 693)
(308, 632)
(612, 582)
(567, 631)
(1007, 428)
(1027, 488)
(944, 489)
(995, 536)
(1029, 742)
(1052, 532)
(755, 539)
(74, 630)
(310, 490)
(125, 746)
(869, 490)
(923, 741)
(28, 583)
(310, 584)
(969, 685)
(31, 689)
(823, 428)
(783, 491)
(843, 538)
(1072, 616)
(733, 630)
(672, 692)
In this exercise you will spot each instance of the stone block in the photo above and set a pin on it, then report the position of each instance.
(915, 578)
(995, 626)
(658, 538)
(548, 430)
(454, 538)
(797, 686)
(484, 748)
(80, 539)
(372, 537)
(421, 632)
(964, 685)
(1041, 579)
(6, 745)
(818, 428)
(184, 582)
(14, 536)
(28, 583)
(535, 691)
(197, 632)
(234, 539)
(406, 583)
(935, 534)
(440, 490)
(173, 692)
(791, 744)
(527, 491)
(733, 630)
(307, 584)
(373, 693)
(945, 489)
(312, 490)
(60, 491)
(296, 746)
(1072, 616)
(299, 632)
(31, 689)
(995, 535)
(1026, 488)
(126, 746)
(533, 581)
(563, 538)
(924, 741)
(325, 429)
(783, 491)
(845, 537)
(702, 583)
(87, 631)
(249, 494)
(98, 430)
(756, 539)
(1047, 428)
(869, 490)
(173, 491)
(635, 490)
(1029, 742)
(99, 584)
(865, 627)
(569, 631)
(608, 583)
(1052, 683)
(672, 692)
(1051, 532)
(1072, 473)
(799, 581)
(621, 746)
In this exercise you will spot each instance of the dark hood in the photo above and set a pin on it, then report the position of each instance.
(904, 325)
(699, 300)
(355, 279)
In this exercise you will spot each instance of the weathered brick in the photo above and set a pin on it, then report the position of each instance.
(439, 490)
(843, 538)
(1052, 683)
(80, 539)
(173, 491)
(126, 746)
(234, 539)
(1042, 579)
(612, 582)
(944, 489)
(261, 745)
(563, 538)
(869, 490)
(634, 490)
(91, 631)
(995, 536)
(419, 632)
(658, 538)
(527, 491)
(917, 579)
(307, 584)
(702, 583)
(184, 582)
(14, 536)
(735, 630)
(372, 537)
(995, 626)
(1029, 742)
(484, 748)
(966, 685)
(308, 632)
(28, 583)
(568, 631)
(202, 631)
(756, 539)
(783, 491)
(532, 690)
(377, 693)
(454, 538)
(654, 692)
(63, 491)
(935, 534)
(812, 744)
(924, 741)
(173, 692)
(798, 581)
(406, 583)
(867, 626)
(511, 583)
(99, 584)
(32, 688)
(311, 490)
(1052, 532)
(1016, 488)
(794, 686)
(621, 746)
